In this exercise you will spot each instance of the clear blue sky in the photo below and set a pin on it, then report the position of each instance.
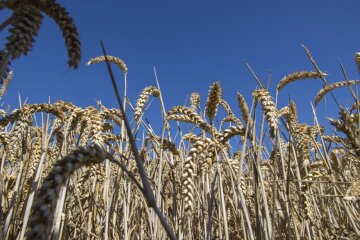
(192, 44)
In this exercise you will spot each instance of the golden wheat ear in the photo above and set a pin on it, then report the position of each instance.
(194, 100)
(269, 109)
(213, 101)
(143, 99)
(45, 200)
(333, 86)
(111, 59)
(298, 76)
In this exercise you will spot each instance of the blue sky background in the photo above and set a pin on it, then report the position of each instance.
(193, 44)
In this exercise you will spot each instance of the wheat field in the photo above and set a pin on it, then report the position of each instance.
(68, 172)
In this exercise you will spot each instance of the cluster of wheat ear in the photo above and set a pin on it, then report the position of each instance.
(71, 173)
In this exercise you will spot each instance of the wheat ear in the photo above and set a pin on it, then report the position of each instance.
(45, 200)
(67, 27)
(213, 101)
(4, 63)
(143, 98)
(25, 26)
(188, 185)
(268, 107)
(194, 100)
(6, 83)
(111, 59)
(244, 109)
(333, 86)
(188, 114)
(297, 76)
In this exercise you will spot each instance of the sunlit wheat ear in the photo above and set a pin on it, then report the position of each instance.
(225, 135)
(180, 118)
(353, 191)
(24, 27)
(333, 86)
(208, 159)
(16, 138)
(244, 109)
(188, 185)
(42, 211)
(182, 113)
(143, 98)
(191, 137)
(283, 111)
(293, 111)
(33, 161)
(112, 114)
(67, 27)
(213, 101)
(194, 100)
(29, 109)
(297, 76)
(226, 106)
(6, 83)
(357, 60)
(232, 118)
(269, 109)
(111, 59)
(4, 60)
